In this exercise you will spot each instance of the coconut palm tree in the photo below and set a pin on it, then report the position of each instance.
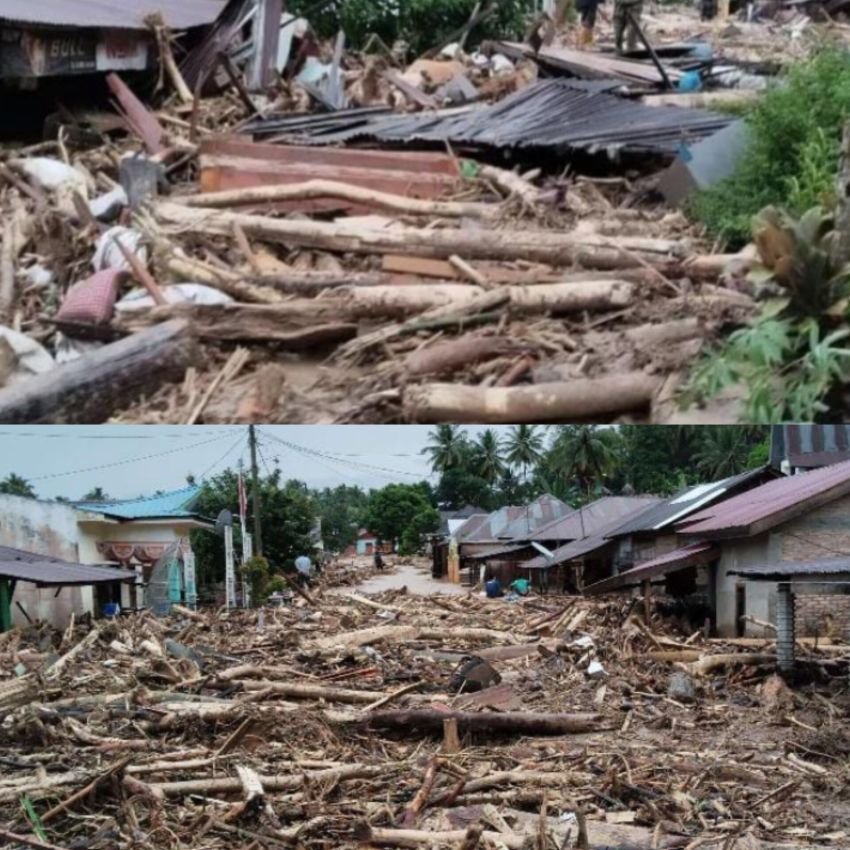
(523, 447)
(15, 485)
(446, 447)
(585, 454)
(724, 450)
(489, 463)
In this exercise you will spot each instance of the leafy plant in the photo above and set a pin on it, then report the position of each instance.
(422, 24)
(795, 131)
(256, 572)
(794, 353)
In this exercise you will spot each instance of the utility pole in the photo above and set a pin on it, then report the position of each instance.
(255, 491)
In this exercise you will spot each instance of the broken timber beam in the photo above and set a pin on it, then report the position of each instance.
(563, 401)
(537, 245)
(508, 722)
(91, 388)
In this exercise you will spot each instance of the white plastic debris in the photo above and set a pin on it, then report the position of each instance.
(177, 293)
(501, 64)
(480, 60)
(32, 358)
(583, 642)
(66, 349)
(314, 71)
(107, 255)
(108, 206)
(451, 51)
(36, 276)
(595, 670)
(52, 174)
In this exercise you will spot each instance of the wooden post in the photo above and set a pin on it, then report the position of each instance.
(451, 741)
(266, 34)
(647, 600)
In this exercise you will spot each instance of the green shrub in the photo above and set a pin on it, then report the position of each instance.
(256, 572)
(423, 24)
(277, 584)
(793, 153)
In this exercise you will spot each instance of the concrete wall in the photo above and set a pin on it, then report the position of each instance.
(646, 550)
(821, 533)
(46, 528)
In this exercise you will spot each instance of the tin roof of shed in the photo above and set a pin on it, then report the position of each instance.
(42, 570)
(110, 14)
(176, 504)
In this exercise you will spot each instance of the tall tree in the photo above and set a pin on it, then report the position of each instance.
(524, 447)
(584, 454)
(725, 450)
(401, 511)
(15, 485)
(288, 514)
(488, 450)
(342, 510)
(445, 448)
(96, 494)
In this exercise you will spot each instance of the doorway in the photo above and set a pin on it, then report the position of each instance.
(740, 609)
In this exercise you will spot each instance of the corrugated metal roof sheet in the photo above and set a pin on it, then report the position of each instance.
(552, 113)
(685, 502)
(542, 511)
(177, 503)
(110, 14)
(809, 446)
(782, 569)
(598, 537)
(21, 565)
(594, 518)
(678, 559)
(777, 501)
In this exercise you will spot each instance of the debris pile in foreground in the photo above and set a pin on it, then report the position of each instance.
(337, 725)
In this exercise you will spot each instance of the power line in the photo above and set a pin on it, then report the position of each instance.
(341, 459)
(239, 440)
(130, 460)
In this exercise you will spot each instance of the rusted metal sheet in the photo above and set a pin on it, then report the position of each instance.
(21, 565)
(239, 165)
(46, 53)
(141, 120)
(106, 14)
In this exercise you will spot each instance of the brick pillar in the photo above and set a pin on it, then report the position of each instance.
(785, 628)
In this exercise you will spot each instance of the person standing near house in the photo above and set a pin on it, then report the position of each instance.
(493, 588)
(623, 10)
(379, 559)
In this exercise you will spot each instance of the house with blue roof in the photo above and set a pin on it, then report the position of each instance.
(132, 534)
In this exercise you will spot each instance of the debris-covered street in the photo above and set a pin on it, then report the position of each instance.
(336, 722)
(299, 230)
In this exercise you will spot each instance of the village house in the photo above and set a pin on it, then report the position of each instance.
(768, 559)
(366, 543)
(132, 535)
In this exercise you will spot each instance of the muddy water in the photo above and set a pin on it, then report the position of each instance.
(415, 579)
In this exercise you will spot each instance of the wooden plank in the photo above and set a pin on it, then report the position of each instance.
(424, 162)
(219, 175)
(422, 266)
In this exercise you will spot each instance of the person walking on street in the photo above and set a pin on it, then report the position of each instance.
(303, 568)
(622, 10)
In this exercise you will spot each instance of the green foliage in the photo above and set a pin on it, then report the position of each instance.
(793, 152)
(256, 573)
(276, 584)
(96, 494)
(795, 353)
(427, 521)
(342, 509)
(15, 485)
(288, 514)
(394, 509)
(422, 24)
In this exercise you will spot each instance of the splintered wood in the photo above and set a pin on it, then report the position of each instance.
(337, 723)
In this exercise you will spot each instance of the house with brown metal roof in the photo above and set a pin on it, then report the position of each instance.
(773, 554)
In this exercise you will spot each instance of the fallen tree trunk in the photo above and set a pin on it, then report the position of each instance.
(92, 387)
(709, 663)
(312, 189)
(539, 245)
(401, 634)
(16, 232)
(454, 354)
(509, 722)
(571, 297)
(295, 326)
(310, 691)
(552, 402)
